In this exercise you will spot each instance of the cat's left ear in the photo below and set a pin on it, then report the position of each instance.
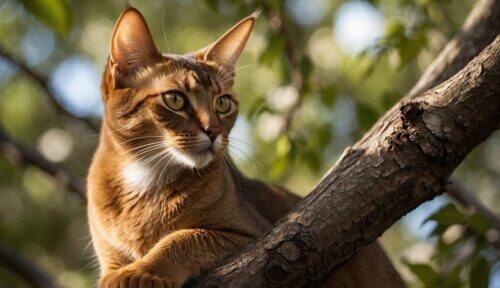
(227, 49)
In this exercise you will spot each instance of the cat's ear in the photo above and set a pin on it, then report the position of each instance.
(132, 46)
(227, 49)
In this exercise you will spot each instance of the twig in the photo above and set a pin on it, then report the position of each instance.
(27, 270)
(42, 81)
(17, 152)
(465, 197)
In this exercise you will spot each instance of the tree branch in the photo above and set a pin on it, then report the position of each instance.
(17, 152)
(479, 29)
(43, 83)
(401, 162)
(28, 271)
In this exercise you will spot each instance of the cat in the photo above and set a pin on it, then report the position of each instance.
(165, 203)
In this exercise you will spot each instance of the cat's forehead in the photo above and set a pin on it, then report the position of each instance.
(183, 72)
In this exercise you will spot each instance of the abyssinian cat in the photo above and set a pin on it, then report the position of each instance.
(164, 203)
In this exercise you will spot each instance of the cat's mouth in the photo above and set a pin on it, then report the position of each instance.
(197, 158)
(197, 154)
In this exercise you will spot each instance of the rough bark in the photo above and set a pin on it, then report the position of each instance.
(404, 160)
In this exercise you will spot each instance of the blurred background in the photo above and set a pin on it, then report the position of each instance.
(316, 74)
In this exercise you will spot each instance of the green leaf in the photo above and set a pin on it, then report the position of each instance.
(212, 4)
(274, 48)
(394, 29)
(389, 98)
(448, 215)
(328, 95)
(283, 146)
(479, 223)
(479, 274)
(366, 115)
(279, 168)
(438, 230)
(56, 14)
(410, 48)
(452, 279)
(306, 67)
(425, 274)
(312, 160)
(258, 106)
(324, 135)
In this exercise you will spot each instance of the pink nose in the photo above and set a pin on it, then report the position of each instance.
(212, 132)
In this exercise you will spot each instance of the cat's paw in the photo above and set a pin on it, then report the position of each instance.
(132, 278)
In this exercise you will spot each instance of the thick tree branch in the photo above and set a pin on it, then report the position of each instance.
(43, 83)
(479, 29)
(19, 153)
(29, 272)
(401, 162)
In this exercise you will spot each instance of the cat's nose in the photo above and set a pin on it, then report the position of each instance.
(212, 132)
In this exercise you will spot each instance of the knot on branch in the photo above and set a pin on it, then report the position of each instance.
(276, 271)
(290, 255)
(410, 113)
(422, 127)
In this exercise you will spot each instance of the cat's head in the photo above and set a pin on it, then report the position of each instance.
(177, 108)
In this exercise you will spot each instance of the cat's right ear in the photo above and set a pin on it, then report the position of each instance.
(132, 47)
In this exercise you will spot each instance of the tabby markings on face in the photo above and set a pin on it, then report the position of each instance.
(169, 112)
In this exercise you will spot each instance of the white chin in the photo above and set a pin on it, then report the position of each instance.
(194, 160)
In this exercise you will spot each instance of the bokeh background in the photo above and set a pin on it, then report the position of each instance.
(314, 77)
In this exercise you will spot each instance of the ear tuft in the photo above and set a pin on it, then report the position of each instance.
(132, 45)
(227, 49)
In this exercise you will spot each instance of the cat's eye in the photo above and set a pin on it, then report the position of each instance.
(174, 100)
(223, 104)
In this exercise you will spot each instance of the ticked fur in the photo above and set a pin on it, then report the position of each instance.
(165, 203)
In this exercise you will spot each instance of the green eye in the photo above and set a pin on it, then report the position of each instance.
(223, 104)
(174, 100)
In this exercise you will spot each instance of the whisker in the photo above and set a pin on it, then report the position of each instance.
(152, 158)
(141, 137)
(147, 150)
(164, 167)
(145, 145)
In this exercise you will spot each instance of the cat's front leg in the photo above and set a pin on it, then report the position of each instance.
(175, 258)
(134, 276)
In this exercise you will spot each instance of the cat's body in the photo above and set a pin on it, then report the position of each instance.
(165, 203)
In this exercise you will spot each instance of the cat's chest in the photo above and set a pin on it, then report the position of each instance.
(141, 223)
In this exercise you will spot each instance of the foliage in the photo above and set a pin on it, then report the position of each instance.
(464, 254)
(56, 14)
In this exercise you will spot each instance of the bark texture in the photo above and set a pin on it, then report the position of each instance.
(404, 160)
